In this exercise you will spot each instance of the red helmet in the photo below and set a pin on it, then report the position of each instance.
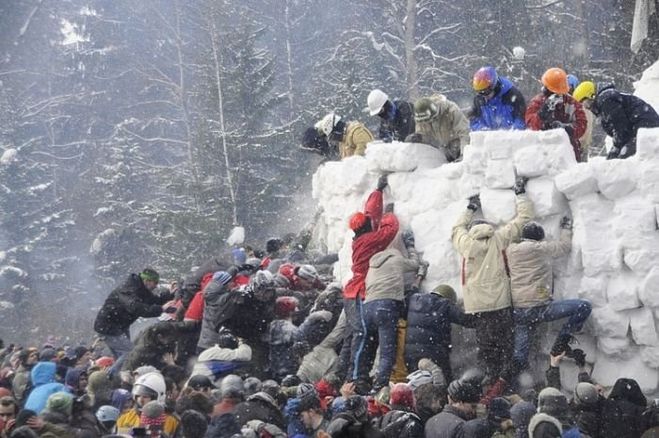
(357, 221)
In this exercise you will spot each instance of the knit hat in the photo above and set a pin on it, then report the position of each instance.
(47, 354)
(80, 351)
(60, 402)
(553, 402)
(585, 394)
(499, 409)
(150, 274)
(447, 292)
(200, 382)
(464, 391)
(418, 378)
(402, 394)
(98, 383)
(325, 388)
(104, 362)
(252, 385)
(153, 415)
(271, 387)
(285, 306)
(521, 413)
(232, 387)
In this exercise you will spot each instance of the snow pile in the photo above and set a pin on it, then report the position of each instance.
(648, 87)
(8, 156)
(614, 205)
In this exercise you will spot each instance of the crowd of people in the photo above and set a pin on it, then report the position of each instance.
(263, 342)
(563, 103)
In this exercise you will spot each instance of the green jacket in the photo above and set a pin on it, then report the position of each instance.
(448, 130)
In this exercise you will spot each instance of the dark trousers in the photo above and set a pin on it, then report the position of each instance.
(381, 321)
(354, 317)
(494, 331)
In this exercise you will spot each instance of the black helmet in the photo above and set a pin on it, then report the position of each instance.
(227, 340)
(533, 231)
(464, 391)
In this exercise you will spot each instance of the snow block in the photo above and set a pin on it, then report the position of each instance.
(643, 329)
(402, 157)
(530, 161)
(607, 370)
(593, 289)
(470, 184)
(608, 323)
(499, 149)
(649, 181)
(641, 254)
(474, 159)
(499, 206)
(615, 347)
(577, 181)
(500, 174)
(547, 200)
(340, 178)
(649, 289)
(622, 292)
(615, 178)
(647, 144)
(477, 139)
(650, 356)
(634, 217)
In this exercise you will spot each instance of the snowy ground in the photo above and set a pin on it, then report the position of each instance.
(615, 206)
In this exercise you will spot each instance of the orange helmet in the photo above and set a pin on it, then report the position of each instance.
(357, 221)
(555, 80)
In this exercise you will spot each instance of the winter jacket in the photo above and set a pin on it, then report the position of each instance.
(282, 360)
(530, 267)
(315, 328)
(384, 280)
(485, 283)
(545, 426)
(355, 139)
(567, 114)
(56, 425)
(151, 345)
(260, 406)
(505, 110)
(44, 384)
(223, 426)
(131, 418)
(243, 315)
(368, 244)
(345, 425)
(192, 283)
(323, 358)
(21, 383)
(212, 293)
(448, 130)
(621, 115)
(216, 362)
(449, 423)
(429, 318)
(400, 125)
(125, 304)
(400, 424)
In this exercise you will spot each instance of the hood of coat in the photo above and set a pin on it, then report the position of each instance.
(481, 231)
(381, 258)
(262, 397)
(43, 372)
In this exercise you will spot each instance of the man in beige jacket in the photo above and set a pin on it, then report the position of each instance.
(485, 281)
(531, 287)
(351, 137)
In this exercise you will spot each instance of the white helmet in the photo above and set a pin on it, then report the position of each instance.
(376, 100)
(151, 384)
(107, 413)
(327, 123)
(307, 272)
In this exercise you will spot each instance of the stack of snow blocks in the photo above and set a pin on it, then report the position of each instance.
(614, 205)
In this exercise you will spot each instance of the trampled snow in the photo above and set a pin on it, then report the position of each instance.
(614, 205)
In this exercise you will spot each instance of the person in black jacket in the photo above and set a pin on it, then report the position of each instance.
(620, 114)
(429, 318)
(132, 300)
(396, 117)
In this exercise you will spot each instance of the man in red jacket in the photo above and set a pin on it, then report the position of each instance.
(554, 108)
(373, 233)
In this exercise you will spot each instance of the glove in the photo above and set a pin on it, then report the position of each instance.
(414, 138)
(613, 153)
(387, 139)
(382, 183)
(545, 113)
(423, 269)
(408, 238)
(628, 150)
(520, 185)
(474, 203)
(389, 208)
(566, 223)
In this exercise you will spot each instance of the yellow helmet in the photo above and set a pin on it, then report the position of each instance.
(585, 90)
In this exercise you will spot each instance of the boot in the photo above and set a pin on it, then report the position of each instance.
(495, 391)
(579, 357)
(562, 344)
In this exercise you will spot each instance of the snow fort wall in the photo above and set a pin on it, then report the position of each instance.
(613, 204)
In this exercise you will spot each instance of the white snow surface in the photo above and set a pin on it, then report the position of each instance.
(237, 236)
(8, 156)
(614, 206)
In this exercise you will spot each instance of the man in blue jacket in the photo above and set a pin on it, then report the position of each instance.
(498, 104)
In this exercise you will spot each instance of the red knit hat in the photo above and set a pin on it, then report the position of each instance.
(402, 395)
(285, 306)
(104, 362)
(357, 221)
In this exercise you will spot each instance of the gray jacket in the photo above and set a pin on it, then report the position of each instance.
(384, 280)
(212, 309)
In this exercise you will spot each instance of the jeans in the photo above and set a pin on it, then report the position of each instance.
(354, 315)
(381, 321)
(526, 320)
(119, 345)
(494, 336)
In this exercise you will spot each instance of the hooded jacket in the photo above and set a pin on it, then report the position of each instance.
(530, 266)
(44, 384)
(125, 304)
(400, 125)
(368, 244)
(260, 406)
(621, 115)
(449, 129)
(355, 139)
(505, 110)
(485, 282)
(449, 423)
(282, 358)
(212, 308)
(384, 280)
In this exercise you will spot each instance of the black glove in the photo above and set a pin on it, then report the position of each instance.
(520, 185)
(613, 153)
(566, 223)
(546, 114)
(479, 101)
(382, 183)
(170, 309)
(628, 150)
(408, 238)
(414, 138)
(474, 203)
(387, 139)
(389, 208)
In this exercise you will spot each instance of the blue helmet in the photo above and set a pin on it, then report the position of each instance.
(572, 82)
